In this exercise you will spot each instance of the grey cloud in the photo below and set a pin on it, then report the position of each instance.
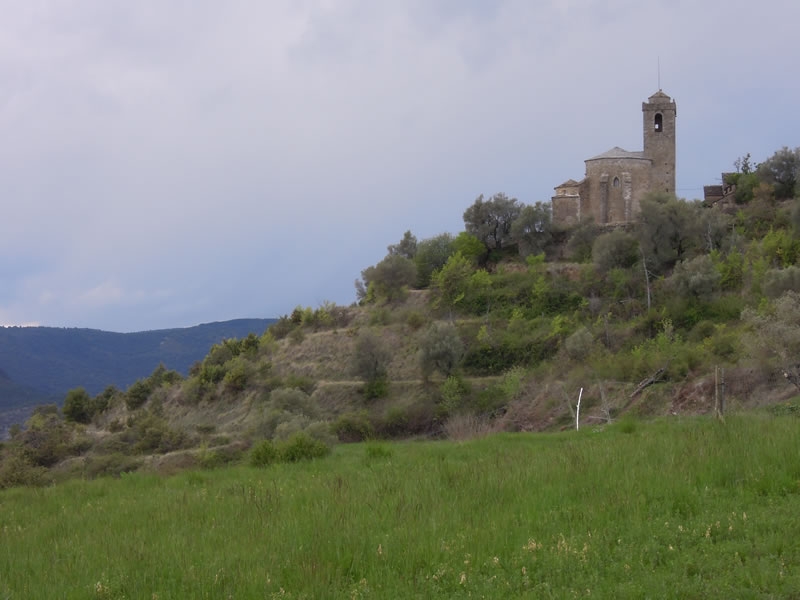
(206, 160)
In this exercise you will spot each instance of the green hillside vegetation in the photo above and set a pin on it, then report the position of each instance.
(498, 328)
(682, 507)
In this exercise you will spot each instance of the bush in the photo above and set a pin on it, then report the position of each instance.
(371, 362)
(377, 388)
(194, 391)
(137, 394)
(236, 377)
(293, 401)
(113, 465)
(220, 456)
(441, 349)
(466, 427)
(778, 281)
(579, 344)
(615, 250)
(292, 425)
(281, 328)
(77, 406)
(263, 454)
(353, 427)
(16, 470)
(415, 319)
(300, 382)
(453, 391)
(302, 446)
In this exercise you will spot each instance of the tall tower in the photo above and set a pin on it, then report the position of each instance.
(659, 114)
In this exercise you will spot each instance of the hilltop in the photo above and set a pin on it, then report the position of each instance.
(693, 309)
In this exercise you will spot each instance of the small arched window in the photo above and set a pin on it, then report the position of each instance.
(658, 123)
(615, 183)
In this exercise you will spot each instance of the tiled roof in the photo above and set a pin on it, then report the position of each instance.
(617, 152)
(569, 183)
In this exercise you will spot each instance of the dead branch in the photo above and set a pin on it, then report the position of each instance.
(654, 378)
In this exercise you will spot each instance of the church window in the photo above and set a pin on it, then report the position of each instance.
(615, 183)
(659, 123)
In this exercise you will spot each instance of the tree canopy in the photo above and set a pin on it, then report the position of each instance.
(490, 220)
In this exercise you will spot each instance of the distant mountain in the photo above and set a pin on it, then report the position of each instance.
(40, 364)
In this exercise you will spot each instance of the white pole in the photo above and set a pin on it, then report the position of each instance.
(578, 412)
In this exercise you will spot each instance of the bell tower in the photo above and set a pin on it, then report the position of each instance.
(659, 114)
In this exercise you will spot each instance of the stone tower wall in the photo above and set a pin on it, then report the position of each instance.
(659, 144)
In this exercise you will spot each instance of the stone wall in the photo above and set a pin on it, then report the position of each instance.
(615, 188)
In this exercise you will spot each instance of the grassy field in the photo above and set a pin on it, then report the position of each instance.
(673, 509)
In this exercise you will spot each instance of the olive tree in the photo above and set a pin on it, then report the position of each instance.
(775, 335)
(441, 349)
(668, 230)
(388, 280)
(490, 220)
(432, 254)
(532, 229)
(615, 250)
(782, 171)
(371, 363)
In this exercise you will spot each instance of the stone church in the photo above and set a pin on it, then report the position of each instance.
(617, 180)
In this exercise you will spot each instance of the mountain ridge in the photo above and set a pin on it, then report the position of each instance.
(42, 363)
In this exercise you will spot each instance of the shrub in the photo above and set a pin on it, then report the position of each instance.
(17, 470)
(297, 336)
(291, 426)
(353, 427)
(453, 391)
(112, 465)
(394, 422)
(579, 344)
(302, 446)
(441, 349)
(281, 328)
(377, 388)
(151, 433)
(615, 250)
(103, 400)
(371, 362)
(77, 406)
(219, 457)
(236, 377)
(697, 278)
(194, 391)
(465, 427)
(263, 454)
(292, 400)
(778, 281)
(300, 382)
(137, 394)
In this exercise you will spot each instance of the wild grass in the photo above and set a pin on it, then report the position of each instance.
(688, 508)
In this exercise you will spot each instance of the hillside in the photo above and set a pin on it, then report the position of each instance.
(694, 309)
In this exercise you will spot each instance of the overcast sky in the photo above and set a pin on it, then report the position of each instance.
(167, 163)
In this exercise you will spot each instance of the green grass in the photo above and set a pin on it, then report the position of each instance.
(680, 509)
